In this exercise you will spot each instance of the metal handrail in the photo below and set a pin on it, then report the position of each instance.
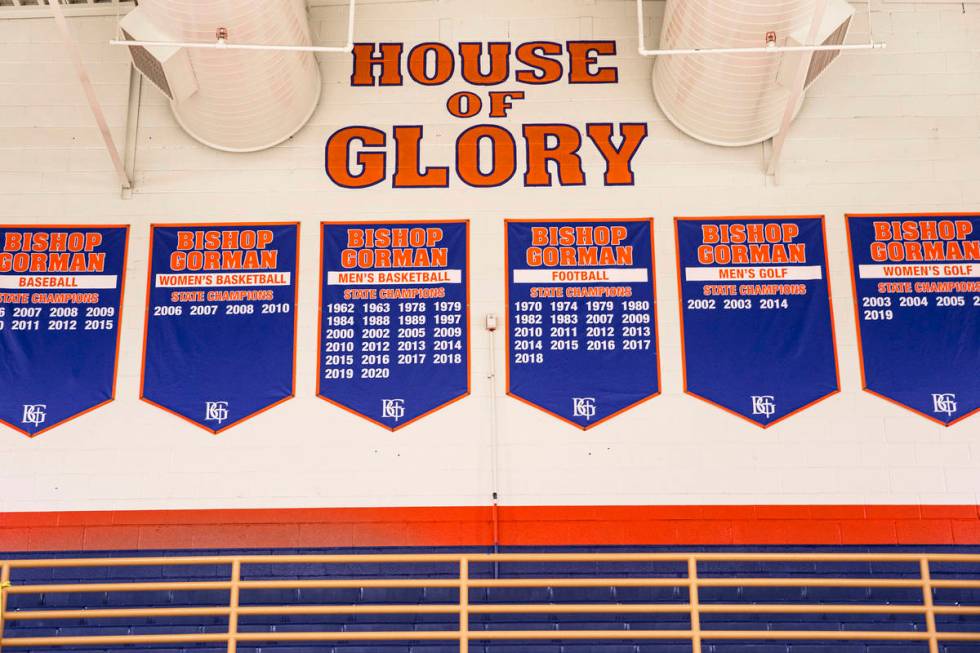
(688, 577)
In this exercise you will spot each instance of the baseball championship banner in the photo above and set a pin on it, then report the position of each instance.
(581, 316)
(61, 290)
(220, 337)
(393, 339)
(917, 303)
(756, 321)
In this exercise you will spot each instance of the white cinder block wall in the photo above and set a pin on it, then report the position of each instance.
(892, 130)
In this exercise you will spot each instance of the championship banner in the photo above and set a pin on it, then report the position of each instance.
(220, 336)
(581, 317)
(757, 330)
(394, 318)
(61, 290)
(917, 303)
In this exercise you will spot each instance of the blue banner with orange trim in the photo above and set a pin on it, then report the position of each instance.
(917, 301)
(61, 292)
(581, 317)
(757, 326)
(220, 335)
(394, 340)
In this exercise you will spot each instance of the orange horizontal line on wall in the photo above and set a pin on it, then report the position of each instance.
(472, 526)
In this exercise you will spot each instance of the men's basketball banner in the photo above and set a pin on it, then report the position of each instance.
(581, 316)
(757, 328)
(917, 293)
(61, 290)
(394, 318)
(220, 320)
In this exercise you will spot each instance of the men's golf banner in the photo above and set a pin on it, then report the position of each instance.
(61, 291)
(756, 322)
(394, 338)
(220, 320)
(917, 293)
(581, 316)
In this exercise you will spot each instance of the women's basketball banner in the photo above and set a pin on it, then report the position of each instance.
(394, 340)
(757, 328)
(581, 317)
(220, 320)
(61, 290)
(917, 293)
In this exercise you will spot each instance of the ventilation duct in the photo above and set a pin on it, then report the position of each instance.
(229, 99)
(739, 98)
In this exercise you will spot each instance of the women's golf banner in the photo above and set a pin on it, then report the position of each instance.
(394, 318)
(61, 291)
(581, 316)
(757, 330)
(220, 320)
(917, 293)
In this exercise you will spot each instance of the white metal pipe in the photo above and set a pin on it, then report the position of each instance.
(222, 44)
(764, 49)
(491, 324)
(492, 378)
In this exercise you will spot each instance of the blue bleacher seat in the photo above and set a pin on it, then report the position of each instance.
(745, 647)
(663, 647)
(511, 647)
(650, 594)
(828, 647)
(602, 648)
(392, 595)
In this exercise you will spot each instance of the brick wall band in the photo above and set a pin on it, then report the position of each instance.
(473, 526)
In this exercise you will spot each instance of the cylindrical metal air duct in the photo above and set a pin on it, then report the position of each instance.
(246, 100)
(726, 99)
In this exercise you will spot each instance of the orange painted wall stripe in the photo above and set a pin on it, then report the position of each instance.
(472, 526)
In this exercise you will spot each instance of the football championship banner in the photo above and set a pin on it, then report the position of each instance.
(917, 293)
(756, 321)
(581, 317)
(393, 338)
(61, 290)
(220, 320)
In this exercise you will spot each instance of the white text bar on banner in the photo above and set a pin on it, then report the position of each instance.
(768, 273)
(924, 271)
(65, 282)
(393, 277)
(224, 279)
(582, 275)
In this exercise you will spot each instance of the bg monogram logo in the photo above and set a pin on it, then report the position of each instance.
(944, 403)
(764, 405)
(393, 408)
(215, 411)
(35, 414)
(583, 407)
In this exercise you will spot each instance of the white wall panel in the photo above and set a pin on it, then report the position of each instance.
(897, 130)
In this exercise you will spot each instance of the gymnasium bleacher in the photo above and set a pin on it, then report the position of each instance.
(557, 593)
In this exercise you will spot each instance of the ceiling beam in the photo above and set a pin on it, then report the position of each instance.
(89, 89)
(39, 9)
(796, 93)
